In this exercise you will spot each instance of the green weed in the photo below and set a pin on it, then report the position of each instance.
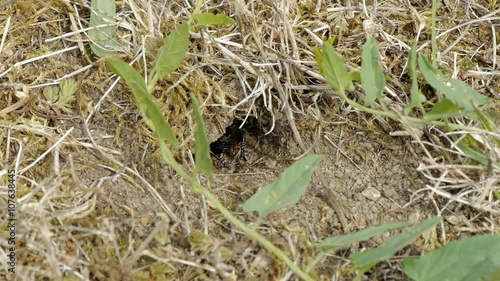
(459, 100)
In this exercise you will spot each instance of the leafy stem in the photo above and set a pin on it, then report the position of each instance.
(398, 117)
(250, 232)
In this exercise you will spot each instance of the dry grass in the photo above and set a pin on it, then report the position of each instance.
(68, 227)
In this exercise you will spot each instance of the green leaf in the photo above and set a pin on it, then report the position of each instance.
(62, 96)
(469, 94)
(51, 93)
(67, 95)
(333, 69)
(200, 241)
(457, 91)
(485, 119)
(355, 76)
(331, 40)
(68, 87)
(203, 161)
(475, 258)
(364, 261)
(318, 56)
(496, 194)
(169, 158)
(334, 243)
(171, 54)
(103, 38)
(443, 109)
(212, 19)
(435, 78)
(149, 109)
(475, 155)
(286, 190)
(372, 75)
(416, 96)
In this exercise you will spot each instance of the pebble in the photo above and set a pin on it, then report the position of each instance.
(356, 159)
(371, 194)
(271, 163)
(455, 220)
(389, 192)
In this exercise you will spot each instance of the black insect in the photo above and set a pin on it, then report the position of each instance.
(233, 137)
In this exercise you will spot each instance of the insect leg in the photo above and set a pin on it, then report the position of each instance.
(220, 160)
(243, 146)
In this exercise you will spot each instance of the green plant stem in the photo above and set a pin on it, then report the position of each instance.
(398, 117)
(169, 158)
(316, 260)
(249, 231)
(433, 33)
(153, 78)
(196, 10)
(197, 187)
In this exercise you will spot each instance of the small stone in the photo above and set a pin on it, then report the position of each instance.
(371, 194)
(339, 174)
(271, 163)
(455, 220)
(389, 192)
(356, 159)
(414, 217)
(348, 194)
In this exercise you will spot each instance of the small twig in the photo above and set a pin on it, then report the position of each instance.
(327, 195)
(345, 155)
